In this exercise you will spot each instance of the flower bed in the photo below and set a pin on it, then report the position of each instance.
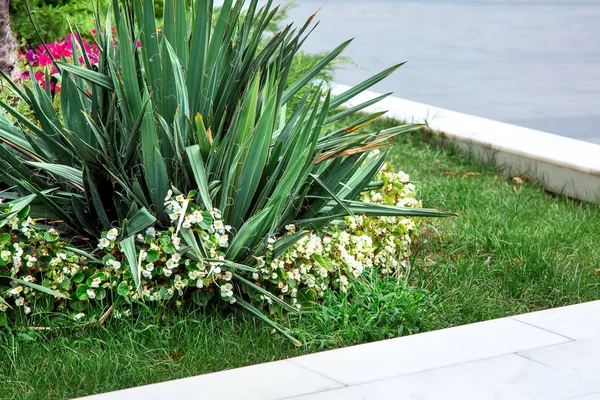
(48, 275)
(156, 166)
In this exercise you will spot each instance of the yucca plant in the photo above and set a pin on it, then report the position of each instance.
(196, 106)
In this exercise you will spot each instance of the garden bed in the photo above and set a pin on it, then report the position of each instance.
(513, 248)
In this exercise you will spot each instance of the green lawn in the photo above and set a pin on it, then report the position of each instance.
(512, 249)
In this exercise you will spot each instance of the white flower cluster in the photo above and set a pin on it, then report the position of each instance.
(23, 251)
(165, 274)
(331, 258)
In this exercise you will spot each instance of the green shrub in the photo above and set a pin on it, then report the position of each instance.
(201, 111)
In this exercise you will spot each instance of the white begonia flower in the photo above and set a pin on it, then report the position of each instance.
(216, 214)
(176, 242)
(116, 265)
(290, 228)
(197, 215)
(167, 272)
(180, 198)
(31, 260)
(3, 307)
(112, 234)
(151, 231)
(19, 301)
(96, 283)
(227, 290)
(16, 290)
(169, 195)
(174, 216)
(218, 224)
(77, 317)
(28, 278)
(171, 264)
(146, 274)
(104, 243)
(140, 237)
(27, 309)
(5, 255)
(194, 274)
(91, 293)
(228, 275)
(176, 257)
(200, 283)
(232, 301)
(14, 223)
(149, 267)
(223, 241)
(255, 276)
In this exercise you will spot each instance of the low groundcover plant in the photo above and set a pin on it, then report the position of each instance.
(256, 170)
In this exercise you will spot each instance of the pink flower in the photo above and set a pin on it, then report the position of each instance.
(43, 59)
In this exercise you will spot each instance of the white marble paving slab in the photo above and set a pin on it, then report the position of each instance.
(364, 363)
(259, 382)
(579, 321)
(580, 358)
(499, 378)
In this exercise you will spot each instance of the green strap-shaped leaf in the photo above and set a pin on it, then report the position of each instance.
(361, 87)
(250, 308)
(240, 267)
(128, 247)
(256, 226)
(140, 221)
(91, 76)
(310, 74)
(265, 292)
(195, 158)
(284, 243)
(39, 288)
(73, 175)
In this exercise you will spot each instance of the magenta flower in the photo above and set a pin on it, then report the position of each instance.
(30, 56)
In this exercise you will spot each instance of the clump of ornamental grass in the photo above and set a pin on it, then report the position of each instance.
(198, 108)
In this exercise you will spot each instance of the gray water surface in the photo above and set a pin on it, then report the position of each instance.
(533, 63)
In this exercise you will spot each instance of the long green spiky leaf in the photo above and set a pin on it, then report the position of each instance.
(91, 76)
(73, 175)
(310, 74)
(128, 246)
(249, 307)
(195, 158)
(39, 288)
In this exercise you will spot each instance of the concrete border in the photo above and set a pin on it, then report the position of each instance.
(563, 165)
(549, 354)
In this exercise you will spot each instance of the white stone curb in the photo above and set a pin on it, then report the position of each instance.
(561, 164)
(551, 354)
